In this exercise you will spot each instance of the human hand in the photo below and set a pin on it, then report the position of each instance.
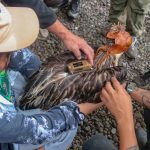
(76, 45)
(71, 41)
(87, 108)
(117, 100)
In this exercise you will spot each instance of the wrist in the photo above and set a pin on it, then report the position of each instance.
(65, 35)
(128, 119)
(126, 125)
(74, 109)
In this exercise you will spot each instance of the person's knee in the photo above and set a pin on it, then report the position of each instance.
(98, 142)
(139, 6)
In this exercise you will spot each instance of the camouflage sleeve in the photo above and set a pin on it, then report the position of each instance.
(25, 61)
(36, 129)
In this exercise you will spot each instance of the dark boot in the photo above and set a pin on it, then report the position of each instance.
(144, 80)
(146, 77)
(133, 49)
(74, 9)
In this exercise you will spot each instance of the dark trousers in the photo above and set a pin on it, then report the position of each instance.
(147, 122)
(98, 142)
(6, 147)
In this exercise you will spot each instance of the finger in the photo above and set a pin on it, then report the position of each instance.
(77, 53)
(117, 86)
(124, 85)
(89, 48)
(108, 87)
(104, 96)
(90, 58)
(89, 53)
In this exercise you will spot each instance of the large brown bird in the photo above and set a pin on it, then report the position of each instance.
(53, 83)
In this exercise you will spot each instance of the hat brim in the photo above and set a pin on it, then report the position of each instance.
(24, 30)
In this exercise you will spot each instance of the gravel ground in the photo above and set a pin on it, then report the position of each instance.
(92, 20)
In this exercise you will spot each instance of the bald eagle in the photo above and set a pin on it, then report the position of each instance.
(53, 83)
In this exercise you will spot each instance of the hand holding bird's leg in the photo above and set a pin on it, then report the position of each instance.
(88, 108)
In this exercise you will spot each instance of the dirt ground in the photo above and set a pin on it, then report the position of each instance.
(89, 25)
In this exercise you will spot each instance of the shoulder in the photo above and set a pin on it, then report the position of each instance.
(20, 57)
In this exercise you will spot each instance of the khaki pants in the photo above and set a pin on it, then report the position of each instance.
(135, 13)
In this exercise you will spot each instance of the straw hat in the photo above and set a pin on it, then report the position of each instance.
(19, 28)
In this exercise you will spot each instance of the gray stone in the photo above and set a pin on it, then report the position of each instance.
(113, 131)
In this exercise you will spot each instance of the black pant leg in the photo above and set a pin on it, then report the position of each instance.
(147, 122)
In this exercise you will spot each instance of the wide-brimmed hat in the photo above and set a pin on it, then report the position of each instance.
(19, 28)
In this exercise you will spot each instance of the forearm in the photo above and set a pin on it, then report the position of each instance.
(41, 127)
(127, 134)
(59, 30)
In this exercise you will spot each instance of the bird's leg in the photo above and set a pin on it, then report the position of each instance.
(103, 48)
(103, 59)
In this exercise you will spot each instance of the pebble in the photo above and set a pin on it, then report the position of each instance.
(92, 20)
(113, 131)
